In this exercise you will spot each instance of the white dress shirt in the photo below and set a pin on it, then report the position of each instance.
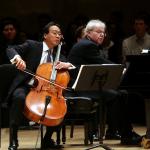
(45, 54)
(134, 46)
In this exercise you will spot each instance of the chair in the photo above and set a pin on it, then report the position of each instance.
(83, 109)
(7, 73)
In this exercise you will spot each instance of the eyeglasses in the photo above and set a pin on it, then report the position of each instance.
(101, 33)
(56, 33)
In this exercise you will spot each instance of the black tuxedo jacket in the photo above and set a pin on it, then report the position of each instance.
(85, 52)
(31, 52)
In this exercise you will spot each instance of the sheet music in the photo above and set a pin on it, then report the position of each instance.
(76, 81)
(94, 65)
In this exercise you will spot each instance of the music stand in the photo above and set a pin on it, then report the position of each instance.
(97, 78)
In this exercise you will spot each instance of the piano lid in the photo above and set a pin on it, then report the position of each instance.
(138, 72)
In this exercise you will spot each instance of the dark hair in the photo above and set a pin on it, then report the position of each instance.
(78, 32)
(7, 21)
(142, 15)
(47, 26)
(10, 21)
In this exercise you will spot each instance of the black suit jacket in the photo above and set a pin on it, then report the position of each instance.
(85, 52)
(31, 52)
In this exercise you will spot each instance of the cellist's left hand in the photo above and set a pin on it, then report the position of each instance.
(63, 65)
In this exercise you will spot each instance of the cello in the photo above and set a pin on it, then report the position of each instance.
(45, 103)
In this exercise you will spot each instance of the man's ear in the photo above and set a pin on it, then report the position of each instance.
(44, 35)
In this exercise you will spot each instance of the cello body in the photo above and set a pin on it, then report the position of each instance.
(47, 97)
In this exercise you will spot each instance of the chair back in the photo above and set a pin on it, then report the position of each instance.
(7, 73)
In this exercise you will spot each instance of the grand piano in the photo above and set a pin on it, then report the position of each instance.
(137, 80)
(137, 76)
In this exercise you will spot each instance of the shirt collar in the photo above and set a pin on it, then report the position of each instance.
(45, 47)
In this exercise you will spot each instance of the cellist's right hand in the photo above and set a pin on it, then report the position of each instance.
(20, 63)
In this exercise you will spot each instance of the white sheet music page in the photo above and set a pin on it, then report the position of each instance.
(81, 67)
(76, 81)
(96, 66)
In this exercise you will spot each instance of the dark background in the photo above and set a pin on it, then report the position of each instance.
(28, 12)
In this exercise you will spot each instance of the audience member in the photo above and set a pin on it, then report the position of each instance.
(10, 35)
(79, 33)
(134, 44)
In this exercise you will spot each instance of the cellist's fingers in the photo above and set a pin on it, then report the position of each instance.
(62, 65)
(58, 65)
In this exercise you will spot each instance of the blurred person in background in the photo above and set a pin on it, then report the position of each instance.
(10, 35)
(140, 40)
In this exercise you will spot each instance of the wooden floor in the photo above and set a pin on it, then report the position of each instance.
(28, 138)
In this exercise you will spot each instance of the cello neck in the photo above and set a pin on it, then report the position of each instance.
(54, 71)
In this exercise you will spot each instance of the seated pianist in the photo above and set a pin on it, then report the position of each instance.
(86, 51)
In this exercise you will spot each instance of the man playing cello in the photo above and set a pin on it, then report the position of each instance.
(31, 54)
